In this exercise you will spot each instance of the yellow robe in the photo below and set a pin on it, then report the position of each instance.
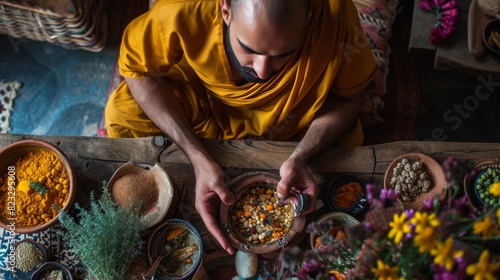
(183, 40)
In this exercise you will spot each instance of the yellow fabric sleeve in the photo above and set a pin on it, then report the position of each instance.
(183, 41)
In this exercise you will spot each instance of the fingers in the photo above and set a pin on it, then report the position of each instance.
(225, 195)
(283, 189)
(213, 227)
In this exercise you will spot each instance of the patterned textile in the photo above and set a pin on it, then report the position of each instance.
(51, 239)
(377, 17)
(8, 91)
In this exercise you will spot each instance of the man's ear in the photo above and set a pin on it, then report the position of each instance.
(226, 10)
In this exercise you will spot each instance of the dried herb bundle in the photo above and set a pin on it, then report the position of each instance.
(105, 237)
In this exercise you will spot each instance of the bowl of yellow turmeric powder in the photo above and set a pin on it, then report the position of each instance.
(36, 182)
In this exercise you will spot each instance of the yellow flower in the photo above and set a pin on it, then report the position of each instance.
(426, 240)
(445, 255)
(424, 220)
(495, 189)
(385, 272)
(486, 227)
(483, 269)
(398, 227)
(498, 216)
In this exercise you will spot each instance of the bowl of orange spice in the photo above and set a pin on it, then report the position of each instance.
(36, 182)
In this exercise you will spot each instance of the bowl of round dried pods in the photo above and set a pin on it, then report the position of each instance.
(259, 222)
(415, 177)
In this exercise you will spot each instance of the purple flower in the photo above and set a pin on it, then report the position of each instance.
(372, 191)
(388, 194)
(309, 268)
(458, 272)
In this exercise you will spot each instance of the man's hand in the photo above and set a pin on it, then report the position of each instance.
(210, 192)
(295, 179)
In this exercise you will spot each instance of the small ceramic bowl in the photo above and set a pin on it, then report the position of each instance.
(243, 186)
(347, 194)
(157, 212)
(339, 221)
(182, 267)
(50, 267)
(491, 36)
(435, 176)
(8, 156)
(12, 262)
(471, 181)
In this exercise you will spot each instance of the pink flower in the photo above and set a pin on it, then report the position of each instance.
(447, 18)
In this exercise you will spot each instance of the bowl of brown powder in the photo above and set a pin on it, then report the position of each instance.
(144, 188)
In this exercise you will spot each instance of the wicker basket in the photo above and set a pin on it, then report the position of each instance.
(72, 24)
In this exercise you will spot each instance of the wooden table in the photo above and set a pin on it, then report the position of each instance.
(456, 52)
(95, 159)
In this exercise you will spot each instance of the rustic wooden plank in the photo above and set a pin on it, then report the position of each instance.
(139, 150)
(238, 153)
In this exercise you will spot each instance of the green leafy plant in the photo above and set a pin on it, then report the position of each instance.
(105, 237)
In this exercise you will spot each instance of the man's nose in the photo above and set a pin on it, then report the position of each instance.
(262, 66)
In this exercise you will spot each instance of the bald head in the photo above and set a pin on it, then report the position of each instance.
(276, 11)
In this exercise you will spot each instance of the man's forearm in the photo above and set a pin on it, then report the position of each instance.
(165, 111)
(335, 119)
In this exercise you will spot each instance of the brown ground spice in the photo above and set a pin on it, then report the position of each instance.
(131, 189)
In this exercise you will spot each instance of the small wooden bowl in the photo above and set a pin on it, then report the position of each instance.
(489, 28)
(14, 151)
(435, 176)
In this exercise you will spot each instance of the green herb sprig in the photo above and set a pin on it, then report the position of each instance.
(105, 238)
(39, 187)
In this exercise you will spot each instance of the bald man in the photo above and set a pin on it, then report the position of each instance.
(233, 69)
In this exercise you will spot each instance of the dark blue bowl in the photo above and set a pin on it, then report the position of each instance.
(337, 187)
(157, 241)
(50, 266)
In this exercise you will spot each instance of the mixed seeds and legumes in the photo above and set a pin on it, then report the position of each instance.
(259, 217)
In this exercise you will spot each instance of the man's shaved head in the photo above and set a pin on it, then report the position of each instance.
(277, 11)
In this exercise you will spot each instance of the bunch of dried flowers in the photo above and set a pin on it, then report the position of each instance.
(443, 239)
(447, 16)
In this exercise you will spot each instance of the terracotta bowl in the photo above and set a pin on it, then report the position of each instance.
(8, 156)
(242, 186)
(157, 212)
(435, 176)
(471, 180)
